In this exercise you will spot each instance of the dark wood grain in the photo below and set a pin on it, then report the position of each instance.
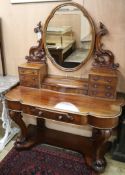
(49, 99)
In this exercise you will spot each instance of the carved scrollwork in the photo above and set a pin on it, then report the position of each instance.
(103, 58)
(37, 53)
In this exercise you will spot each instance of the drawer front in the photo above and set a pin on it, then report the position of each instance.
(101, 79)
(55, 115)
(65, 89)
(29, 81)
(101, 87)
(102, 94)
(28, 71)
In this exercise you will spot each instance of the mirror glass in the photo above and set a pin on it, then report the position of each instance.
(69, 37)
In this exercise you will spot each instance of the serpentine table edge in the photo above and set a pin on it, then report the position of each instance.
(101, 114)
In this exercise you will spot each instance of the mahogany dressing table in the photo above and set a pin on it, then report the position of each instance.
(89, 101)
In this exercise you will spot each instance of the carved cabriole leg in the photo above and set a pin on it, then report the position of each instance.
(100, 138)
(17, 118)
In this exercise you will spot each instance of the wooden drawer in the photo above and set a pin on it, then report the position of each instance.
(55, 115)
(29, 81)
(28, 71)
(103, 83)
(66, 89)
(101, 87)
(32, 74)
(102, 94)
(102, 79)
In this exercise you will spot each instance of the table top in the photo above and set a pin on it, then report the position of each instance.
(71, 103)
(7, 82)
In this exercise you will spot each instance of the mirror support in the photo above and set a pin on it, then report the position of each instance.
(37, 53)
(103, 58)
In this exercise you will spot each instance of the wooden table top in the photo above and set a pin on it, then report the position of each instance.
(48, 99)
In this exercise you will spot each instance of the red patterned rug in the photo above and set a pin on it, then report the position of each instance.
(44, 160)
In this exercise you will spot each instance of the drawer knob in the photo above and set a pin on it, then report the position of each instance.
(109, 80)
(40, 113)
(95, 85)
(108, 94)
(108, 87)
(60, 117)
(96, 78)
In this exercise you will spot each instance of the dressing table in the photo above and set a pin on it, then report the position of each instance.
(92, 101)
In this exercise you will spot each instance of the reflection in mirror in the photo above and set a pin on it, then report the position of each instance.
(66, 106)
(69, 37)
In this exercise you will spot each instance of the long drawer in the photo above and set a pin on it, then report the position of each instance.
(55, 115)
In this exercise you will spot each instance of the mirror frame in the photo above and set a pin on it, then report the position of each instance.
(85, 13)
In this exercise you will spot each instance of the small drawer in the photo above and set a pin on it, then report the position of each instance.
(29, 81)
(109, 87)
(102, 94)
(102, 79)
(110, 80)
(101, 87)
(28, 71)
(95, 78)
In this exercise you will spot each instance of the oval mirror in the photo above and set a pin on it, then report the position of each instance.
(69, 36)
